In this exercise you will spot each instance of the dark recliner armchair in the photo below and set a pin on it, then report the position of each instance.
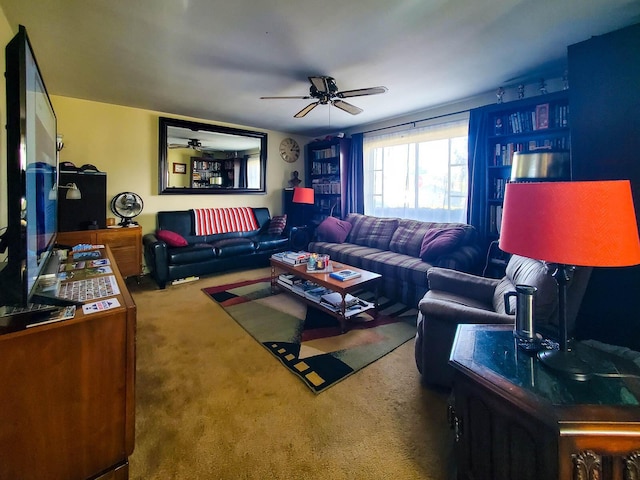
(456, 297)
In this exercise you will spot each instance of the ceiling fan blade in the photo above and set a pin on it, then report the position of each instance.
(306, 97)
(321, 83)
(347, 107)
(306, 110)
(362, 91)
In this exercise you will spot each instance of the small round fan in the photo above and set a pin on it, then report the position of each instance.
(127, 205)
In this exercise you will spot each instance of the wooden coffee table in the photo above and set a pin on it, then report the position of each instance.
(343, 314)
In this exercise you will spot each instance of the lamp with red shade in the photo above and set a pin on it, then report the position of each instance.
(303, 195)
(299, 236)
(567, 224)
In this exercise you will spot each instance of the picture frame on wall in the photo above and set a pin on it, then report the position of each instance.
(542, 116)
(180, 168)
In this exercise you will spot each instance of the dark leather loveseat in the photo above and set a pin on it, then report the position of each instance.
(207, 254)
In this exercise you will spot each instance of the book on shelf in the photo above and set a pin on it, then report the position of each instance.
(344, 275)
(334, 299)
(315, 294)
(304, 286)
(289, 278)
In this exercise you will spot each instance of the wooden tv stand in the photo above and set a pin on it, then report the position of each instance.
(67, 395)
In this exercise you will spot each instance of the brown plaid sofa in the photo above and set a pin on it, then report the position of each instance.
(391, 247)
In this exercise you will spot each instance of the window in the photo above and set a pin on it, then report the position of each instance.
(419, 173)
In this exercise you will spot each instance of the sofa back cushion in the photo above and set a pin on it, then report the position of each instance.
(409, 235)
(370, 231)
(178, 221)
(407, 238)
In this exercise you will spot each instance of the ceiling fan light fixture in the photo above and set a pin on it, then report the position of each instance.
(325, 90)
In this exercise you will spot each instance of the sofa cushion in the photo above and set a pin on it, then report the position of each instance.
(333, 230)
(197, 253)
(371, 231)
(439, 241)
(172, 239)
(407, 238)
(277, 224)
(232, 247)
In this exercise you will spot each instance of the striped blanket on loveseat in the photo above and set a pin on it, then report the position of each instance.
(397, 249)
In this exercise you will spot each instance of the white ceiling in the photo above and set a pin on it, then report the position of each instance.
(214, 59)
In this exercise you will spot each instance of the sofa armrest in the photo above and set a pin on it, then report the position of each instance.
(461, 283)
(156, 258)
(467, 258)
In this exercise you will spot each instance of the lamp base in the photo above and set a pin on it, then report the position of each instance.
(567, 363)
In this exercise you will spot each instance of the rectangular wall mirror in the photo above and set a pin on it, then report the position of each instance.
(198, 158)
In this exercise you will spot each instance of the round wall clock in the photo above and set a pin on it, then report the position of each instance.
(289, 150)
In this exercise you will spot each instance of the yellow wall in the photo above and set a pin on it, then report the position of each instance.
(123, 142)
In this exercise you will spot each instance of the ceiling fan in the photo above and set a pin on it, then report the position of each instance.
(325, 90)
(192, 143)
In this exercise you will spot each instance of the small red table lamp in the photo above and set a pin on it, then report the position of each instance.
(303, 195)
(570, 224)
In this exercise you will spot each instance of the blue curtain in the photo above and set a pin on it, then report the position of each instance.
(477, 161)
(354, 195)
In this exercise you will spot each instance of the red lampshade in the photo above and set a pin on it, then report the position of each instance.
(303, 195)
(571, 223)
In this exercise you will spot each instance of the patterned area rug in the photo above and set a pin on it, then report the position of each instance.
(307, 341)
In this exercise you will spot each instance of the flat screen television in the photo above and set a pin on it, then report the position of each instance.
(32, 175)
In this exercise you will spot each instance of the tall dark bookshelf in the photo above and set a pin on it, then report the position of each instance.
(326, 173)
(540, 123)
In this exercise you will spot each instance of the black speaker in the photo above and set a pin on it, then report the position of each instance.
(89, 212)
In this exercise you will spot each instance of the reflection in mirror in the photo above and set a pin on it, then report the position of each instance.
(198, 158)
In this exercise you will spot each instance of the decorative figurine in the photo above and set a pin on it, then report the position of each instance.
(565, 80)
(295, 181)
(500, 94)
(543, 87)
(521, 91)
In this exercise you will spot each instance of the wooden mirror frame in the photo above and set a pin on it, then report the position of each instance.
(164, 170)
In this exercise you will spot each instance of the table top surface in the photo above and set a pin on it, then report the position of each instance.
(326, 280)
(489, 352)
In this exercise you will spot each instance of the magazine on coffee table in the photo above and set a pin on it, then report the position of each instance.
(344, 275)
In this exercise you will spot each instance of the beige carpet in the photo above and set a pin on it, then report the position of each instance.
(211, 403)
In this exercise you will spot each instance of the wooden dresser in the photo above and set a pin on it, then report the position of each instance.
(67, 395)
(513, 418)
(125, 244)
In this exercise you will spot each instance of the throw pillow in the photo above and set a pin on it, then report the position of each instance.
(333, 230)
(277, 224)
(438, 241)
(172, 239)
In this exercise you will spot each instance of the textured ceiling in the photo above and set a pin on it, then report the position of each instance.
(214, 59)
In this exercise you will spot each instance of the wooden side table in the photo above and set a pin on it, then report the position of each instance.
(513, 418)
(125, 244)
